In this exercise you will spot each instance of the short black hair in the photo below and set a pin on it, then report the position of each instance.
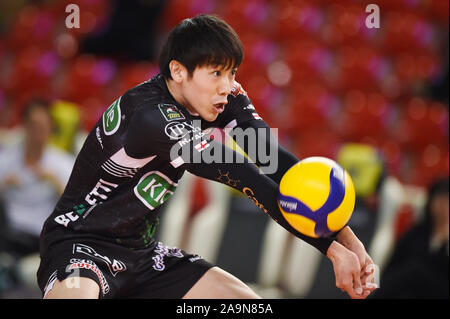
(202, 40)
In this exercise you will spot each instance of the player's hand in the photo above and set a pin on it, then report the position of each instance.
(347, 270)
(349, 240)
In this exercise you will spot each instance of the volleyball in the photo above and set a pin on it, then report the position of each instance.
(316, 196)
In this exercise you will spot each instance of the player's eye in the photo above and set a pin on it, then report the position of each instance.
(217, 73)
(233, 72)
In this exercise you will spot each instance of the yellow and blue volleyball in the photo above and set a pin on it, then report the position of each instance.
(316, 196)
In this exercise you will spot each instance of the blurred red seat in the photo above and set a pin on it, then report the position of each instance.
(260, 51)
(298, 20)
(393, 156)
(311, 106)
(407, 32)
(309, 61)
(426, 166)
(244, 15)
(317, 142)
(416, 68)
(88, 77)
(136, 73)
(34, 26)
(359, 68)
(346, 26)
(404, 5)
(366, 117)
(423, 123)
(178, 10)
(438, 10)
(32, 71)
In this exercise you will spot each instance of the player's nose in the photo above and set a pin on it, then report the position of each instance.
(225, 86)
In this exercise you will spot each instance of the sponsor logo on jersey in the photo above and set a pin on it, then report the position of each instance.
(170, 112)
(154, 188)
(76, 263)
(99, 192)
(195, 258)
(162, 251)
(202, 146)
(251, 195)
(115, 266)
(95, 197)
(112, 118)
(178, 130)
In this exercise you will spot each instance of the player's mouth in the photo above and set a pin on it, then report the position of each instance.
(219, 107)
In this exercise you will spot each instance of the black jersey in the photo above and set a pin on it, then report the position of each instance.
(126, 169)
(123, 173)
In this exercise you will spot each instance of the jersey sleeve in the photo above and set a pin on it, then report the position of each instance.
(255, 137)
(220, 163)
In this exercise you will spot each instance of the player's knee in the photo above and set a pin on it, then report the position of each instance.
(217, 283)
(74, 288)
(241, 292)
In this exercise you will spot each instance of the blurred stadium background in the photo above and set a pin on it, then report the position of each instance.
(375, 100)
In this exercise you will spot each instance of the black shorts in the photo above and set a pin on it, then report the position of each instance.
(159, 272)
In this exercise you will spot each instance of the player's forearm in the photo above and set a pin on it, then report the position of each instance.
(246, 178)
(264, 149)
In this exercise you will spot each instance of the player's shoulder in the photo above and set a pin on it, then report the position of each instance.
(151, 91)
(152, 103)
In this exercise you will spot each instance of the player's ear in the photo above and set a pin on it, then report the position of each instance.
(178, 71)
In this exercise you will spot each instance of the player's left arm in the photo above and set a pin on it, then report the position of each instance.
(245, 177)
(271, 157)
(348, 239)
(274, 160)
(215, 161)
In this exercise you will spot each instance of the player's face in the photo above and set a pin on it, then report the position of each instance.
(206, 91)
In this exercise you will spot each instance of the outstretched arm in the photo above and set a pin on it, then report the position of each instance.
(263, 191)
(347, 251)
(220, 163)
(214, 161)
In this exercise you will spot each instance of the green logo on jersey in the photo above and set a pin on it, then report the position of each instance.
(170, 112)
(111, 118)
(79, 209)
(154, 188)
